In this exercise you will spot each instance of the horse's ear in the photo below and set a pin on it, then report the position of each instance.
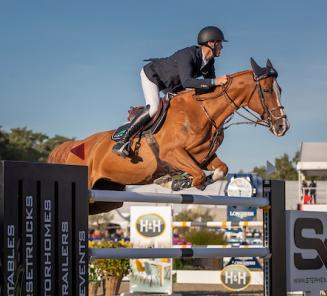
(258, 71)
(269, 64)
(271, 70)
(254, 65)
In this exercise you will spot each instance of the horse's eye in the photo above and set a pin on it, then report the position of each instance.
(270, 90)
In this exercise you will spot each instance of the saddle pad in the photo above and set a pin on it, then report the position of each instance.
(120, 132)
(153, 126)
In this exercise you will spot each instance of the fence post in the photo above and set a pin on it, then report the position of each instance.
(276, 270)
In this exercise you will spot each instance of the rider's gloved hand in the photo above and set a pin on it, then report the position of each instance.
(221, 80)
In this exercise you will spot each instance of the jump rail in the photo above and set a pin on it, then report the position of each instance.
(149, 197)
(103, 253)
(223, 224)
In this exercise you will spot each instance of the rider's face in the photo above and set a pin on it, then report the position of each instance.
(217, 47)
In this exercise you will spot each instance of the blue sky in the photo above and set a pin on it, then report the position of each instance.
(72, 68)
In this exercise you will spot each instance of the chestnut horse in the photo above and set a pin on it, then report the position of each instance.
(188, 139)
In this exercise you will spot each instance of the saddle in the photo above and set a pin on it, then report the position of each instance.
(154, 124)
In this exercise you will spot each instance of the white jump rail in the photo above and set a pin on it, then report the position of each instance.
(223, 224)
(147, 197)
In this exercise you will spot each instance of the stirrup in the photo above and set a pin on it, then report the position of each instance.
(122, 151)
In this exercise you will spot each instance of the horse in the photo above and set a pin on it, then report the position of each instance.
(187, 140)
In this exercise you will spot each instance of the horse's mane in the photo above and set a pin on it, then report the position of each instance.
(209, 95)
(240, 73)
(218, 90)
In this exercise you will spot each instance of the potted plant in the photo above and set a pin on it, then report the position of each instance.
(94, 280)
(111, 270)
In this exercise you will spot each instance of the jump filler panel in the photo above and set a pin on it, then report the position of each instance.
(43, 229)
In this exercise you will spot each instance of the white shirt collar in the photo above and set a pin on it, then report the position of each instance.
(204, 60)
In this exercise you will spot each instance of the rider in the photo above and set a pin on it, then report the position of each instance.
(176, 73)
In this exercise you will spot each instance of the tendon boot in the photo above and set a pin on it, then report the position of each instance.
(121, 148)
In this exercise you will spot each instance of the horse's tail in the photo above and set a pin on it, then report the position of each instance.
(60, 153)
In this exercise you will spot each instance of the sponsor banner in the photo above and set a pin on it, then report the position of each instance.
(306, 251)
(235, 277)
(236, 214)
(251, 263)
(151, 227)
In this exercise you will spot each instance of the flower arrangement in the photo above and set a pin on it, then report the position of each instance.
(94, 274)
(113, 267)
(110, 271)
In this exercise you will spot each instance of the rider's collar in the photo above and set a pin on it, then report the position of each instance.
(204, 60)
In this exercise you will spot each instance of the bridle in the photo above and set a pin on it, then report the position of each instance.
(265, 119)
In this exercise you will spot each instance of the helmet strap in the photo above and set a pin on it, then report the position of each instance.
(212, 49)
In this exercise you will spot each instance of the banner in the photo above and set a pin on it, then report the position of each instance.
(237, 214)
(306, 251)
(151, 227)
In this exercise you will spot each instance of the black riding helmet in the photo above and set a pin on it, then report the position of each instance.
(210, 33)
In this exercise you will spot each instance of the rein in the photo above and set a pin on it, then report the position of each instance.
(257, 120)
(265, 120)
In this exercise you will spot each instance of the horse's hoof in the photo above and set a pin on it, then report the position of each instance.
(180, 184)
(208, 180)
(162, 180)
(202, 187)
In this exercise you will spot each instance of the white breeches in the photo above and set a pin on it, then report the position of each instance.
(151, 93)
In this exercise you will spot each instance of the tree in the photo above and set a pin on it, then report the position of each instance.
(4, 141)
(47, 146)
(260, 171)
(285, 169)
(24, 144)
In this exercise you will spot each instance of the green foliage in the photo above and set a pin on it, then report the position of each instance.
(178, 264)
(111, 267)
(194, 215)
(199, 238)
(24, 144)
(285, 169)
(205, 237)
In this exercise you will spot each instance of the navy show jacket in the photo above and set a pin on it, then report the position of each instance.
(180, 71)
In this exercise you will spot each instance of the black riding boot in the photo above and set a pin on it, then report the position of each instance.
(121, 147)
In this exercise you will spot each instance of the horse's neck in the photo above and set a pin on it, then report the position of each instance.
(241, 88)
(236, 95)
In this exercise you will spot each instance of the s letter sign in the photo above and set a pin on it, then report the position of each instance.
(306, 251)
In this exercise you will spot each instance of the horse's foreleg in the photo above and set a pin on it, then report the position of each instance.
(181, 160)
(219, 168)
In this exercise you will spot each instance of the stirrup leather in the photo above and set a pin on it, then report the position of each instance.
(123, 150)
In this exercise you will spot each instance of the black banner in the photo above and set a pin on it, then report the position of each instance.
(43, 223)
